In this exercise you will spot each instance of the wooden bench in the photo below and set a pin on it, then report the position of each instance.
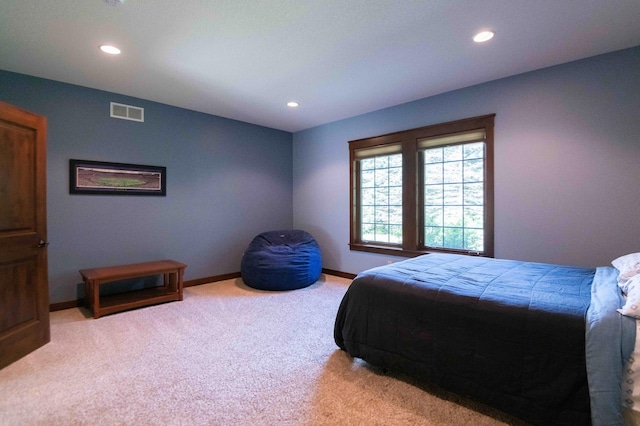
(171, 290)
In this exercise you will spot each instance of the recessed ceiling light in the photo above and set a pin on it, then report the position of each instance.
(483, 36)
(292, 104)
(112, 50)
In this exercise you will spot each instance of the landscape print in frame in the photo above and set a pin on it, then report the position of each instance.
(99, 177)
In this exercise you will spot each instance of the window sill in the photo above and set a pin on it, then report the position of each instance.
(390, 250)
(399, 251)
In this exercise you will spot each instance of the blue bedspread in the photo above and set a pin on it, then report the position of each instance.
(507, 333)
(610, 338)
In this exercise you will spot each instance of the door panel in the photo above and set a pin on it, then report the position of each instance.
(17, 177)
(24, 293)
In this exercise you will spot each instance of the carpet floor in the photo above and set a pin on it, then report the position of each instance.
(226, 355)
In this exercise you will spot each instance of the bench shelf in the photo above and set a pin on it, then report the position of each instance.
(171, 290)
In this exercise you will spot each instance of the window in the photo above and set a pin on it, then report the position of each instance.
(381, 198)
(423, 190)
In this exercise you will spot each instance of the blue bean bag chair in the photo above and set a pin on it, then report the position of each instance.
(281, 260)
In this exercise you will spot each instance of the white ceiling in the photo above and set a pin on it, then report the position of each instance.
(245, 59)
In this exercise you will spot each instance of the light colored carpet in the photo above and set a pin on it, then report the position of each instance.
(226, 355)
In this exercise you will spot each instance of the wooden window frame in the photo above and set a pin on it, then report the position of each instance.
(412, 212)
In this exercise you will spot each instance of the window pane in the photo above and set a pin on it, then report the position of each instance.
(433, 173)
(452, 153)
(395, 160)
(368, 196)
(453, 238)
(452, 172)
(453, 216)
(433, 216)
(433, 155)
(433, 236)
(382, 195)
(367, 179)
(395, 176)
(367, 164)
(382, 233)
(395, 234)
(382, 178)
(395, 196)
(381, 199)
(382, 214)
(474, 239)
(473, 217)
(433, 195)
(452, 194)
(473, 150)
(368, 232)
(473, 171)
(473, 194)
(368, 214)
(382, 162)
(395, 215)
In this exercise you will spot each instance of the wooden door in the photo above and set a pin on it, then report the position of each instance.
(24, 292)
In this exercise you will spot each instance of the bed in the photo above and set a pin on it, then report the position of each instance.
(542, 342)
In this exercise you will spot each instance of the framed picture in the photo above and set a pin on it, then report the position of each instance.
(99, 177)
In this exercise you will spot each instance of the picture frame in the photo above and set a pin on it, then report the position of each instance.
(105, 178)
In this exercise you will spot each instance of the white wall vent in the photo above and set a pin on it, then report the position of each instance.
(127, 112)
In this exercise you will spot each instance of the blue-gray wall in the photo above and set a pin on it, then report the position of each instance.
(226, 182)
(567, 163)
(567, 172)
